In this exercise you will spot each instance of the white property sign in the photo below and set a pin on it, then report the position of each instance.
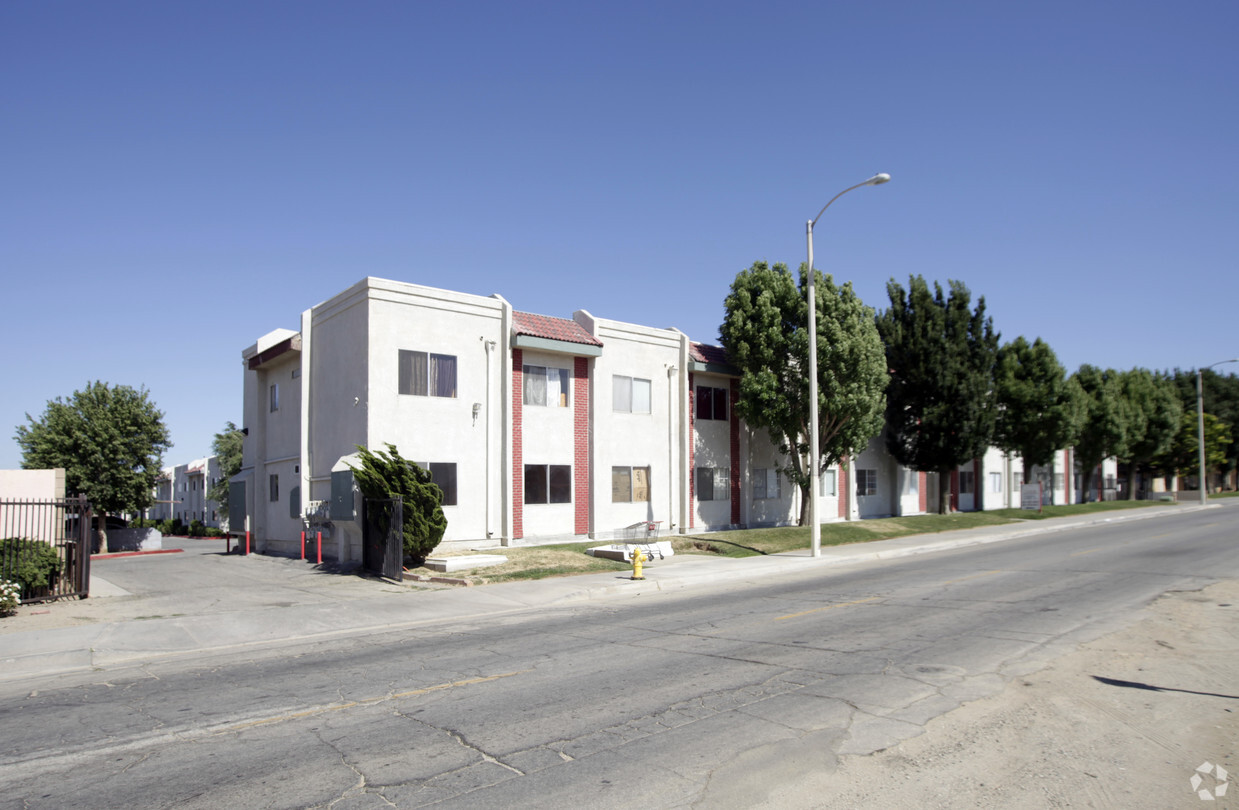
(1030, 496)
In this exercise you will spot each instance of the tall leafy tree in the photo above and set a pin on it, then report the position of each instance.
(385, 475)
(1154, 413)
(226, 446)
(765, 333)
(109, 440)
(1104, 426)
(941, 354)
(1221, 398)
(1183, 455)
(1038, 412)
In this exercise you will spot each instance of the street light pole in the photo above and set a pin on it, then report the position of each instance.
(815, 530)
(1200, 425)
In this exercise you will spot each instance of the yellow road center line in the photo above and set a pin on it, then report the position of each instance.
(827, 607)
(971, 576)
(335, 707)
(1090, 551)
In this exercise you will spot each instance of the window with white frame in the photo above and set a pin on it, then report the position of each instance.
(548, 483)
(630, 394)
(967, 482)
(1017, 480)
(995, 482)
(274, 398)
(545, 386)
(630, 484)
(766, 484)
(423, 374)
(826, 484)
(866, 482)
(273, 483)
(713, 484)
(711, 403)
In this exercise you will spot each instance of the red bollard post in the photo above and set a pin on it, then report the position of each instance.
(247, 543)
(303, 545)
(320, 547)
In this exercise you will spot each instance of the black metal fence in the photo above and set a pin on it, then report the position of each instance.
(382, 545)
(45, 545)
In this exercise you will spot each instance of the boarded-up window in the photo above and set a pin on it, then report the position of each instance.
(630, 484)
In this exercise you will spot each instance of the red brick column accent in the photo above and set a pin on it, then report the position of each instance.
(978, 501)
(922, 484)
(734, 419)
(518, 449)
(1068, 473)
(582, 491)
(841, 491)
(692, 449)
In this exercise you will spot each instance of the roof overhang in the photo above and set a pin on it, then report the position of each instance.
(291, 344)
(558, 346)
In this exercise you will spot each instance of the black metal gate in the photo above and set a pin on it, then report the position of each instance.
(33, 532)
(382, 544)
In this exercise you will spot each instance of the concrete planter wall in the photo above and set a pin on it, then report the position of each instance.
(134, 540)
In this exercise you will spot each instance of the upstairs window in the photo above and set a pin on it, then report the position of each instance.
(545, 386)
(423, 374)
(275, 397)
(711, 403)
(630, 394)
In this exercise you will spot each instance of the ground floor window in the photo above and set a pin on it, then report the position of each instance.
(713, 484)
(765, 484)
(866, 482)
(995, 482)
(630, 484)
(826, 484)
(548, 483)
(966, 482)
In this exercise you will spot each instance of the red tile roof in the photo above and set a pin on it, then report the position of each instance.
(540, 326)
(705, 353)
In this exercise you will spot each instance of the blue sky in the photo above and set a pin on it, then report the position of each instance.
(181, 178)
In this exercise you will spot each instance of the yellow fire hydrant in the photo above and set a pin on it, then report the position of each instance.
(638, 557)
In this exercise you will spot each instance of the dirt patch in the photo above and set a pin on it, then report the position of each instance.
(1125, 721)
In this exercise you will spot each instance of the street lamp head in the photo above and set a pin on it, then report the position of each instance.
(878, 179)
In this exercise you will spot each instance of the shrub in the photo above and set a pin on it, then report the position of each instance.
(385, 475)
(197, 528)
(214, 532)
(10, 597)
(35, 563)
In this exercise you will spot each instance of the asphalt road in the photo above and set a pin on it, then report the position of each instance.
(702, 698)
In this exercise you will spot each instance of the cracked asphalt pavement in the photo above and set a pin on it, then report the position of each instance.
(723, 695)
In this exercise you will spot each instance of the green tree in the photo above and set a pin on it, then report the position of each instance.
(1153, 420)
(387, 475)
(1104, 426)
(765, 333)
(110, 442)
(226, 446)
(1221, 398)
(1183, 455)
(939, 404)
(1038, 412)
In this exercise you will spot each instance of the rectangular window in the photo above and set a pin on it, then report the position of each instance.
(711, 403)
(1058, 480)
(630, 484)
(423, 374)
(911, 483)
(630, 395)
(444, 475)
(275, 397)
(1017, 480)
(995, 482)
(966, 482)
(274, 483)
(866, 482)
(765, 484)
(548, 483)
(826, 484)
(713, 484)
(546, 386)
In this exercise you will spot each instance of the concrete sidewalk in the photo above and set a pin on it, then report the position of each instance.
(203, 601)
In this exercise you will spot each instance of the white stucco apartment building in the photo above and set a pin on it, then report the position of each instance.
(537, 428)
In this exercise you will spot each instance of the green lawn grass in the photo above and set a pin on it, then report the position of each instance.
(569, 559)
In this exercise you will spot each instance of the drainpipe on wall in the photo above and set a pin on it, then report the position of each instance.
(489, 346)
(671, 436)
(306, 451)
